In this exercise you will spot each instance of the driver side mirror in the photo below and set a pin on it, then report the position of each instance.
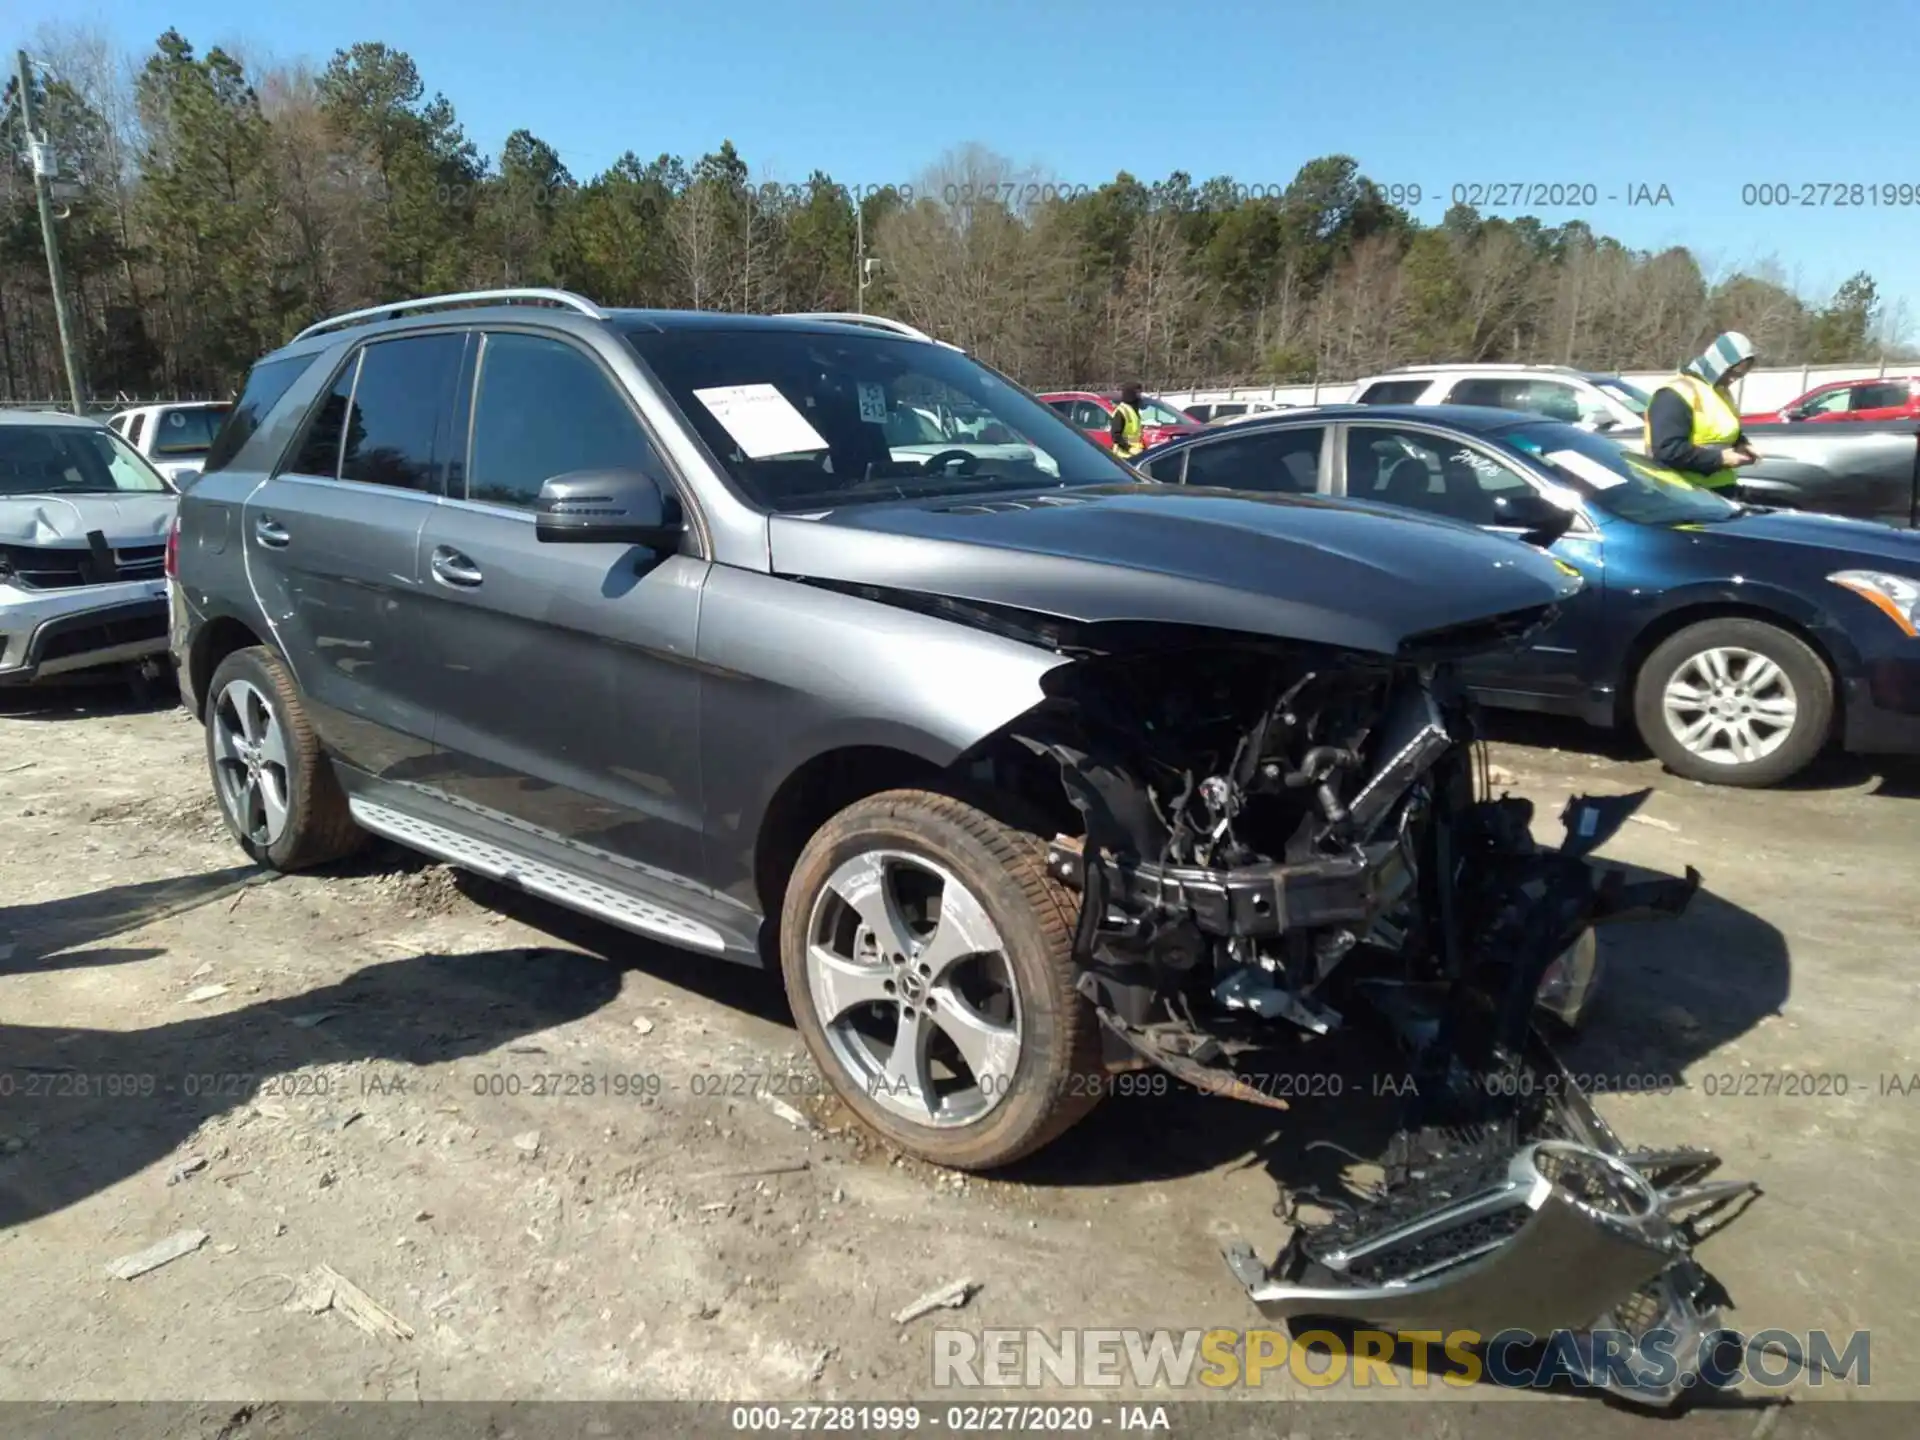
(617, 507)
(1541, 521)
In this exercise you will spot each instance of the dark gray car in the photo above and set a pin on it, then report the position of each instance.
(1025, 771)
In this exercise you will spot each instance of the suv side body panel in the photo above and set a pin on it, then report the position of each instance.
(335, 563)
(792, 671)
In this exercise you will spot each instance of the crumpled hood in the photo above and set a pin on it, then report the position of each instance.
(1335, 572)
(64, 520)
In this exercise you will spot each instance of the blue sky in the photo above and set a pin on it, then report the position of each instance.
(1701, 98)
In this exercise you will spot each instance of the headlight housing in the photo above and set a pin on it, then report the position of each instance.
(1894, 595)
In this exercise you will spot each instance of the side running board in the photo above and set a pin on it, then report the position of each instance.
(536, 877)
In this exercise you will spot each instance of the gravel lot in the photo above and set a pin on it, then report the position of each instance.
(355, 1070)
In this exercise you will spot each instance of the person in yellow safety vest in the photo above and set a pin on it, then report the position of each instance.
(1692, 424)
(1126, 423)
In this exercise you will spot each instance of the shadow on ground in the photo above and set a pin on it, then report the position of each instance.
(88, 697)
(55, 934)
(85, 1109)
(752, 991)
(1674, 992)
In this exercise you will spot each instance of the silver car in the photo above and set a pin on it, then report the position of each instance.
(84, 521)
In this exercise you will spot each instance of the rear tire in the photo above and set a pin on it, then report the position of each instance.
(275, 786)
(1734, 702)
(983, 990)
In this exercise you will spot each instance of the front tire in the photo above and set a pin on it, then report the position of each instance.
(276, 790)
(929, 960)
(1734, 702)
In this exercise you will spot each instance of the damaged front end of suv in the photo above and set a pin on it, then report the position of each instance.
(1280, 840)
(1254, 764)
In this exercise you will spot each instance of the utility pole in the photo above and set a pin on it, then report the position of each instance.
(40, 152)
(859, 258)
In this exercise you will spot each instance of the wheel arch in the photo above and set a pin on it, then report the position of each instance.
(1668, 623)
(213, 642)
(996, 775)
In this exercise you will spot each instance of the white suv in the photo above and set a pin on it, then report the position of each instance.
(1580, 397)
(174, 438)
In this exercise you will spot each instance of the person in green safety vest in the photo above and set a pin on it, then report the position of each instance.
(1692, 424)
(1125, 429)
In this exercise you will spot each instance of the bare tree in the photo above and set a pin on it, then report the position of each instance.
(698, 231)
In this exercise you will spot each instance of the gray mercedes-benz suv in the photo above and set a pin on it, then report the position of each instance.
(813, 639)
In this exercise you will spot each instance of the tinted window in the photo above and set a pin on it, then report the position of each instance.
(1062, 408)
(1427, 472)
(406, 389)
(1089, 416)
(179, 433)
(264, 388)
(1883, 396)
(1165, 469)
(1394, 392)
(1220, 412)
(546, 409)
(318, 452)
(1285, 461)
(134, 430)
(1552, 398)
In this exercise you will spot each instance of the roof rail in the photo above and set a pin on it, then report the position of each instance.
(468, 297)
(1513, 365)
(872, 322)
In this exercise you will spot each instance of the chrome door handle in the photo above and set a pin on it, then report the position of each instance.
(453, 568)
(271, 533)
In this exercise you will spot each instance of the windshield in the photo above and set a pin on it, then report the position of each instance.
(804, 420)
(1158, 412)
(178, 433)
(1629, 486)
(1631, 396)
(71, 460)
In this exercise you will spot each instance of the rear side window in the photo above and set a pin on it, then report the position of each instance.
(546, 409)
(1497, 394)
(139, 424)
(185, 432)
(264, 387)
(1393, 392)
(1278, 461)
(383, 421)
(319, 450)
(1882, 396)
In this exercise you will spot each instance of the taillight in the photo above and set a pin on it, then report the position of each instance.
(173, 549)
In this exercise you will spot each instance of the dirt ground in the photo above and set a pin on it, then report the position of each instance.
(357, 1070)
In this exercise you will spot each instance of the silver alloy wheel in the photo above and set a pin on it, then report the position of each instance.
(250, 761)
(1730, 705)
(910, 980)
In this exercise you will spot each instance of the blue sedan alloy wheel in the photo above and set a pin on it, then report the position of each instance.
(1734, 701)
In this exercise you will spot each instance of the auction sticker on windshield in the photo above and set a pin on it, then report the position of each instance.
(1587, 468)
(873, 402)
(761, 420)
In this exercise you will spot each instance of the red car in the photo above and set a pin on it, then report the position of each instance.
(1894, 397)
(1092, 414)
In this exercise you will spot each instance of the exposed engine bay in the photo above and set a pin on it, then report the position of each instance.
(1283, 841)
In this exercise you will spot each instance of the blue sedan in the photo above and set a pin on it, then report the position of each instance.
(1738, 640)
